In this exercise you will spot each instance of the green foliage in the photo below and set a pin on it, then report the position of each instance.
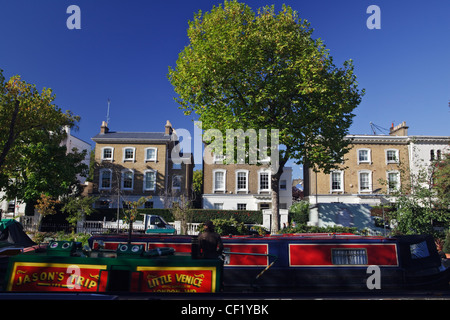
(303, 228)
(197, 184)
(264, 70)
(228, 226)
(441, 181)
(419, 205)
(246, 70)
(78, 208)
(32, 160)
(244, 216)
(446, 247)
(299, 212)
(44, 237)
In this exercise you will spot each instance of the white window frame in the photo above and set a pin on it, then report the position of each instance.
(145, 180)
(269, 182)
(218, 204)
(397, 156)
(370, 181)
(123, 180)
(151, 159)
(100, 183)
(241, 204)
(218, 158)
(103, 153)
(369, 156)
(341, 174)
(389, 189)
(173, 180)
(215, 188)
(124, 150)
(237, 172)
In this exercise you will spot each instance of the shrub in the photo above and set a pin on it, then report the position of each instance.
(303, 228)
(299, 212)
(226, 227)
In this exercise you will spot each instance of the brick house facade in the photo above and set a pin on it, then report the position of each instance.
(131, 165)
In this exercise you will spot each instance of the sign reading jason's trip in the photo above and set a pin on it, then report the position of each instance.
(55, 277)
(178, 279)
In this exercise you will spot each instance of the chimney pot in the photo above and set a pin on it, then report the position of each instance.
(104, 128)
(169, 128)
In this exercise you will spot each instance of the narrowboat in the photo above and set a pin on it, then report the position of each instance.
(13, 241)
(322, 261)
(65, 267)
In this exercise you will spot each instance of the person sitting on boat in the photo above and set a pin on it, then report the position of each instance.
(210, 243)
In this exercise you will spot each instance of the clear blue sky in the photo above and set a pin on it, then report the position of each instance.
(124, 48)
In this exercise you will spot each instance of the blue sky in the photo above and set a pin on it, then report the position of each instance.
(124, 48)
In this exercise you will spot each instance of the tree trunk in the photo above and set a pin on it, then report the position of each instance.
(275, 183)
(11, 137)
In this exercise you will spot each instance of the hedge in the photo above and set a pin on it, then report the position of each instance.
(197, 215)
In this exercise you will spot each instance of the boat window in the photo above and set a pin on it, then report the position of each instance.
(419, 250)
(349, 256)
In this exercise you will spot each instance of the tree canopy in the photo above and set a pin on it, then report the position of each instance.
(264, 70)
(33, 160)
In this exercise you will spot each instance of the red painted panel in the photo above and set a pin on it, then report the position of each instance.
(320, 254)
(247, 260)
(179, 247)
(49, 277)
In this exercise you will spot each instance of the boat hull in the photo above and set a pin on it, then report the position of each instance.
(297, 262)
(111, 272)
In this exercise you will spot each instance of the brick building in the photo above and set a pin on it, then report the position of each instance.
(131, 165)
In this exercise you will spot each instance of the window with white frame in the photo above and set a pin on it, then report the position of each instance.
(392, 156)
(218, 206)
(129, 153)
(219, 177)
(127, 179)
(242, 206)
(151, 154)
(108, 153)
(365, 181)
(242, 180)
(105, 179)
(176, 182)
(393, 179)
(337, 181)
(283, 185)
(218, 157)
(364, 156)
(264, 181)
(150, 180)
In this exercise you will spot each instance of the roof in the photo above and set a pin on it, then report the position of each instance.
(361, 138)
(136, 137)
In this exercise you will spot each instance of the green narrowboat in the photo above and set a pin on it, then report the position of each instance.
(65, 267)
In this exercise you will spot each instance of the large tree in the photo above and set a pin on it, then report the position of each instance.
(24, 109)
(264, 70)
(32, 159)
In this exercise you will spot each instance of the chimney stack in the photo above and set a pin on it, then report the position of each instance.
(104, 128)
(169, 128)
(400, 130)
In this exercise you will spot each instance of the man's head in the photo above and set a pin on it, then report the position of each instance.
(209, 226)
